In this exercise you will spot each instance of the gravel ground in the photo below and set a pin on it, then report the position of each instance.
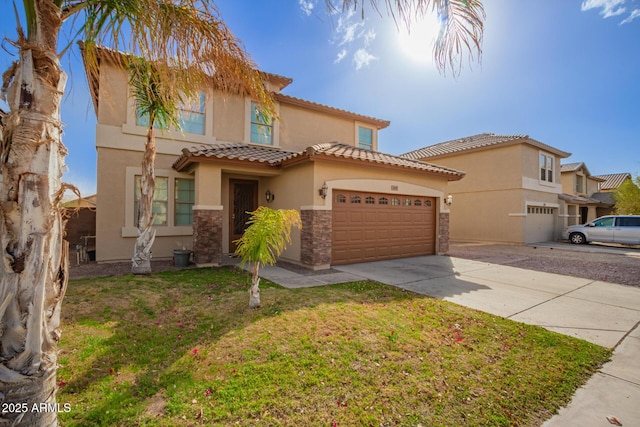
(614, 268)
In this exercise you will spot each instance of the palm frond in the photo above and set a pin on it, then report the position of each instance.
(462, 25)
(186, 40)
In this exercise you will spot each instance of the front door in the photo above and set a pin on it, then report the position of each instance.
(244, 199)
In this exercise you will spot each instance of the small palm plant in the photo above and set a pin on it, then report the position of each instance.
(268, 234)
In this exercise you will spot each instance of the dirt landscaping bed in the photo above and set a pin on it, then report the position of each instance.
(607, 267)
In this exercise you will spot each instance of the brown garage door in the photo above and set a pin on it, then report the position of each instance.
(373, 226)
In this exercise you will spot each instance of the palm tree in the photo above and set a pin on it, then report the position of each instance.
(263, 241)
(191, 47)
(157, 102)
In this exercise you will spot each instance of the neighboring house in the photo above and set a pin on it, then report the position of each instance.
(610, 183)
(580, 193)
(80, 229)
(510, 191)
(356, 203)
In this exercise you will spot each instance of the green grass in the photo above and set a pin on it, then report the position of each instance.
(183, 348)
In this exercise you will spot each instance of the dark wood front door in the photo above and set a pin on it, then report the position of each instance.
(244, 199)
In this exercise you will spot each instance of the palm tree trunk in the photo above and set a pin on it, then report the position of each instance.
(141, 262)
(33, 271)
(254, 290)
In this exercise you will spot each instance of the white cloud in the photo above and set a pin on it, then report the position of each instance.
(347, 31)
(340, 56)
(307, 6)
(635, 14)
(368, 36)
(609, 7)
(362, 58)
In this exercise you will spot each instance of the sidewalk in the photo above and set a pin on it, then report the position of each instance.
(603, 313)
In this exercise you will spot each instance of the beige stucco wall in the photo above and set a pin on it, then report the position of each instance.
(115, 228)
(301, 128)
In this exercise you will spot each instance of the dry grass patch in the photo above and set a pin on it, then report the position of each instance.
(182, 348)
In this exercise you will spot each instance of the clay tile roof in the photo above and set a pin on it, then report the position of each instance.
(571, 167)
(613, 180)
(337, 149)
(238, 151)
(475, 142)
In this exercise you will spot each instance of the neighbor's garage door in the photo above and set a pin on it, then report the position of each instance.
(540, 224)
(372, 226)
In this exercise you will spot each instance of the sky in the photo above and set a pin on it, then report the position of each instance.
(566, 73)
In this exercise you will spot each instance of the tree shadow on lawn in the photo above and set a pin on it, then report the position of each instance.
(127, 340)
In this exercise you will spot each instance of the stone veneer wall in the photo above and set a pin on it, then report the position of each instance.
(443, 234)
(207, 236)
(315, 237)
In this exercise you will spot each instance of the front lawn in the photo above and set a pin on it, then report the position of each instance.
(183, 348)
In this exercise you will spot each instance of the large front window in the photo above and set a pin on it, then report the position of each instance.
(160, 200)
(261, 126)
(546, 168)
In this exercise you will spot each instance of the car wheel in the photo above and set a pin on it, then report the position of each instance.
(577, 238)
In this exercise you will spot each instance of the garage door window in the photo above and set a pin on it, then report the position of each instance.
(417, 202)
(395, 201)
(383, 201)
(356, 199)
(341, 198)
(370, 200)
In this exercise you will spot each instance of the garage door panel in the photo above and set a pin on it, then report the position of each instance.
(370, 231)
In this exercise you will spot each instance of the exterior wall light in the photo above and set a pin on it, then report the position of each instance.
(323, 191)
(269, 196)
(449, 200)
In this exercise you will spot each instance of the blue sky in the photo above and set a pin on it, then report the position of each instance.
(566, 73)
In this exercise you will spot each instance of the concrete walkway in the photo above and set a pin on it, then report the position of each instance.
(603, 313)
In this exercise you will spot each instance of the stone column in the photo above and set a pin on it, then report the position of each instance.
(315, 238)
(443, 233)
(207, 236)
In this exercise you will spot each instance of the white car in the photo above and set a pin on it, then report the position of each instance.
(606, 229)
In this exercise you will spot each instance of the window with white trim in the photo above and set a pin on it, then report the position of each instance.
(365, 138)
(546, 168)
(160, 206)
(184, 199)
(261, 126)
(191, 116)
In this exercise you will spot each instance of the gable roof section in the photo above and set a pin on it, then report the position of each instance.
(276, 158)
(232, 151)
(291, 100)
(339, 150)
(613, 180)
(478, 142)
(574, 167)
(571, 167)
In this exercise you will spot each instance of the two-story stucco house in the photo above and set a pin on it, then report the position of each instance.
(356, 203)
(581, 194)
(510, 191)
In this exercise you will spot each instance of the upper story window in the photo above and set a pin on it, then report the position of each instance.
(546, 168)
(261, 126)
(190, 116)
(580, 184)
(365, 138)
